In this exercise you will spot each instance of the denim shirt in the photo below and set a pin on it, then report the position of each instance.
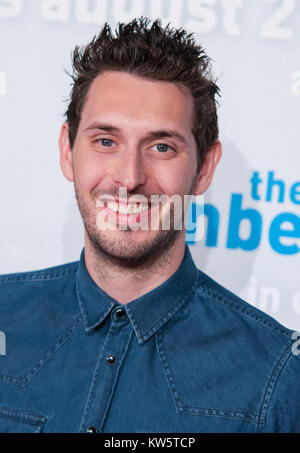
(187, 357)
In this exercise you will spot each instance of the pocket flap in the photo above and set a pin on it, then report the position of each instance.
(17, 421)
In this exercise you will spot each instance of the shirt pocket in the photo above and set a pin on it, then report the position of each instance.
(18, 421)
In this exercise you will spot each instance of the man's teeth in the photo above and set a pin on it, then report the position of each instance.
(136, 208)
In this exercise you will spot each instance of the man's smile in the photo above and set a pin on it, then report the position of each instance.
(129, 208)
(132, 214)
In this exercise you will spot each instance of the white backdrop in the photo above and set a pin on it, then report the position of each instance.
(253, 245)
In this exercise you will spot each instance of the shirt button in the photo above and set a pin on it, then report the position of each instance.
(120, 313)
(111, 359)
(91, 429)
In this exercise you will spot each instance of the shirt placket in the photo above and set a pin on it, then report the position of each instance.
(106, 373)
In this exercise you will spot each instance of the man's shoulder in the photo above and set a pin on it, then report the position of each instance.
(221, 299)
(39, 311)
(21, 289)
(48, 273)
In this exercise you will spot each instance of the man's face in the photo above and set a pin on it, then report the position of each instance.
(134, 133)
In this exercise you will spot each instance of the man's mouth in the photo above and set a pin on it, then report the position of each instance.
(128, 209)
(141, 214)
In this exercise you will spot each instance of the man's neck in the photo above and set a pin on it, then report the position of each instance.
(125, 284)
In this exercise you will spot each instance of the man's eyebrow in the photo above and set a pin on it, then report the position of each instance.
(151, 135)
(102, 127)
(167, 133)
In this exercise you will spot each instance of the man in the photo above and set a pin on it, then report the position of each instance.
(133, 337)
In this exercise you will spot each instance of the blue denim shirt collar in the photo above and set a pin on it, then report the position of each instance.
(146, 313)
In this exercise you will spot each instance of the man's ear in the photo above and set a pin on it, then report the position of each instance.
(66, 154)
(207, 168)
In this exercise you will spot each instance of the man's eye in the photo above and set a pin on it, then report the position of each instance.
(162, 147)
(105, 141)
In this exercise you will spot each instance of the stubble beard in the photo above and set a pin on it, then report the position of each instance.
(128, 253)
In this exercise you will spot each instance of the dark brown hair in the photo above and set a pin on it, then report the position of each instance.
(151, 51)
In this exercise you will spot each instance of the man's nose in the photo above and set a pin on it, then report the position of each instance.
(129, 171)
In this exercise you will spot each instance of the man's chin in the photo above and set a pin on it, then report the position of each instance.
(130, 252)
